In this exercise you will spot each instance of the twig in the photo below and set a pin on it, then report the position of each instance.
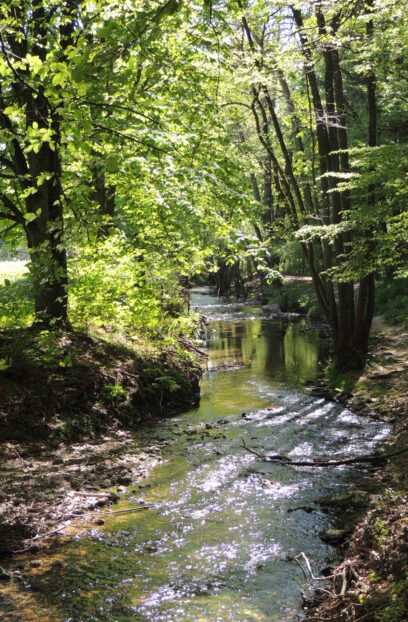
(189, 344)
(302, 554)
(321, 589)
(85, 493)
(138, 508)
(344, 583)
(22, 459)
(40, 536)
(301, 567)
(252, 451)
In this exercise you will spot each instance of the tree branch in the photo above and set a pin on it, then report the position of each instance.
(326, 462)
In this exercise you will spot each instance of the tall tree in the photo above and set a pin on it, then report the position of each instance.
(36, 41)
(318, 203)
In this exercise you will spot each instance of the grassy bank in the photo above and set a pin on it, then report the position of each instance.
(105, 372)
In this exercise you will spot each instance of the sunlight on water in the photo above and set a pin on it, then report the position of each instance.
(218, 543)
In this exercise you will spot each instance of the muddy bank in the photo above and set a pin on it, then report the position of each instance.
(42, 489)
(69, 406)
(371, 582)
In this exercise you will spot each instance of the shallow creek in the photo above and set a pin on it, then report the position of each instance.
(217, 541)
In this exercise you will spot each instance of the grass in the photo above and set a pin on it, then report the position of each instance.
(16, 300)
(12, 269)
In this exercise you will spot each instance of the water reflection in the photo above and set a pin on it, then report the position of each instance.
(218, 543)
(281, 351)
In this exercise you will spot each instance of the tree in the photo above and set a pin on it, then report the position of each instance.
(36, 42)
(295, 57)
(49, 53)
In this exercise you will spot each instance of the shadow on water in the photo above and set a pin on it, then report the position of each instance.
(218, 541)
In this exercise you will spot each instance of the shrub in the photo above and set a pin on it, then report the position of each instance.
(392, 301)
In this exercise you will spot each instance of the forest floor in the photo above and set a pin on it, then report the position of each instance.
(69, 408)
(371, 582)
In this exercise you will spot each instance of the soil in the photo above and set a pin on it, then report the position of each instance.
(70, 409)
(371, 582)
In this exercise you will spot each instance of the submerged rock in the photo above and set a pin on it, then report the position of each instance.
(35, 563)
(334, 536)
(99, 521)
(348, 500)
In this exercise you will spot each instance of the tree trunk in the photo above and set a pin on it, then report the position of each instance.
(366, 296)
(46, 246)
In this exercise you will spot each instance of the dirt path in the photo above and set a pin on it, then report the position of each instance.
(371, 584)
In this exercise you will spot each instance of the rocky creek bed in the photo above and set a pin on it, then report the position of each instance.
(68, 405)
(52, 492)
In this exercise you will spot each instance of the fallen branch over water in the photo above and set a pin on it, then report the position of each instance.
(190, 346)
(326, 462)
(309, 567)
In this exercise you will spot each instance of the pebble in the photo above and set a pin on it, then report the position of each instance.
(4, 576)
(99, 521)
(124, 479)
(35, 563)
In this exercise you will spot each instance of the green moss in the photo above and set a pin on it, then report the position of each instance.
(397, 610)
(342, 382)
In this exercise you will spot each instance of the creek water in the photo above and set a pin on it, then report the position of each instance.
(218, 540)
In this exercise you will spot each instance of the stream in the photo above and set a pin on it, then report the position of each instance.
(217, 541)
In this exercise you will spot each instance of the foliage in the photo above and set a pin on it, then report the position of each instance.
(392, 300)
(146, 144)
(16, 300)
(291, 260)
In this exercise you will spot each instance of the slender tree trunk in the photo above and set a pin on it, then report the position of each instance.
(104, 195)
(366, 297)
(38, 172)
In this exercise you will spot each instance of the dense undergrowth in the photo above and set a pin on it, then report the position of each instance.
(392, 301)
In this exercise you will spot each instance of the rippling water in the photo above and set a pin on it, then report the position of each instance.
(218, 543)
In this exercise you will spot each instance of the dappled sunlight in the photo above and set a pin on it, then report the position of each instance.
(219, 527)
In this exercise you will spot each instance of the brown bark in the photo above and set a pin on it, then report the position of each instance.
(42, 219)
